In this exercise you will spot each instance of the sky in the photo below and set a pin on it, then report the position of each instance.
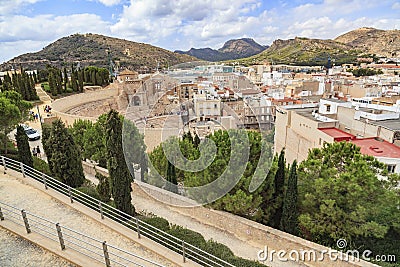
(29, 25)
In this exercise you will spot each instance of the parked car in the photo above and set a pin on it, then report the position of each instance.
(31, 133)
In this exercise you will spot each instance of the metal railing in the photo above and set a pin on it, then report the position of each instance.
(68, 238)
(142, 228)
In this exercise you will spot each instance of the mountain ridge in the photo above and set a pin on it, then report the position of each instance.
(347, 48)
(232, 49)
(91, 49)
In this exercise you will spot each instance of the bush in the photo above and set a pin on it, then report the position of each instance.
(218, 250)
(103, 189)
(69, 90)
(245, 263)
(89, 190)
(41, 165)
(189, 236)
(158, 222)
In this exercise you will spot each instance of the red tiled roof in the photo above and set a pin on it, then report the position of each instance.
(377, 147)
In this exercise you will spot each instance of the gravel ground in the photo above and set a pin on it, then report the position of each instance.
(16, 251)
(14, 192)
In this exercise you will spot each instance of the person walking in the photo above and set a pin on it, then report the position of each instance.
(38, 152)
(34, 152)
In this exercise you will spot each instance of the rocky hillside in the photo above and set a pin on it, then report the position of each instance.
(379, 42)
(363, 42)
(232, 49)
(304, 51)
(92, 49)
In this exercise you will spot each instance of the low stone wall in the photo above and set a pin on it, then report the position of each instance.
(92, 169)
(258, 235)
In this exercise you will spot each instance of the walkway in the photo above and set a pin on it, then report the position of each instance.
(16, 251)
(22, 192)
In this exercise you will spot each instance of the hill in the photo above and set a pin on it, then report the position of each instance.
(363, 42)
(375, 41)
(305, 51)
(91, 49)
(232, 49)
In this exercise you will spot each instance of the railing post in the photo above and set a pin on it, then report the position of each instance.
(1, 215)
(137, 227)
(183, 251)
(101, 210)
(70, 194)
(22, 169)
(106, 256)
(60, 236)
(4, 164)
(44, 181)
(27, 227)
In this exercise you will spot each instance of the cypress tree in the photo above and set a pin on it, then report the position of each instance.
(279, 182)
(46, 131)
(103, 188)
(24, 151)
(80, 80)
(74, 83)
(52, 84)
(290, 213)
(196, 140)
(65, 157)
(119, 174)
(65, 79)
(172, 183)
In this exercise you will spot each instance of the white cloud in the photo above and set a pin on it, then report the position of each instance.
(109, 2)
(396, 5)
(9, 6)
(48, 27)
(207, 21)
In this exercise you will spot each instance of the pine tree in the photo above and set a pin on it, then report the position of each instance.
(172, 183)
(65, 156)
(290, 213)
(119, 174)
(24, 151)
(279, 191)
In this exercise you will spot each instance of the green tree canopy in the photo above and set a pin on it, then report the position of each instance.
(341, 196)
(13, 110)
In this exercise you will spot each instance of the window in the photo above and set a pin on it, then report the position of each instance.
(391, 168)
(328, 108)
